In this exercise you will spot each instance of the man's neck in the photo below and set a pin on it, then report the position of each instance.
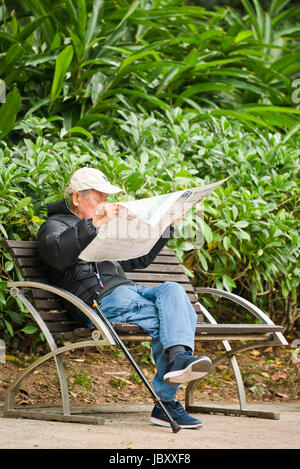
(72, 209)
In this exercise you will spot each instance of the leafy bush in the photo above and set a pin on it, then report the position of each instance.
(85, 60)
(160, 96)
(250, 223)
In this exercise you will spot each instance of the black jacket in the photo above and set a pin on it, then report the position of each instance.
(60, 241)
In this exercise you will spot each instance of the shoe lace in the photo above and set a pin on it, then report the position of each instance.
(177, 407)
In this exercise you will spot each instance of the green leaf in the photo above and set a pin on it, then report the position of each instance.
(202, 260)
(15, 317)
(30, 27)
(9, 328)
(226, 242)
(188, 272)
(80, 130)
(94, 22)
(12, 56)
(241, 234)
(3, 231)
(29, 329)
(62, 64)
(243, 35)
(207, 232)
(9, 265)
(9, 111)
(254, 291)
(241, 224)
(23, 202)
(228, 283)
(284, 289)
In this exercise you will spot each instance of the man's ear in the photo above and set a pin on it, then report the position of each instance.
(75, 198)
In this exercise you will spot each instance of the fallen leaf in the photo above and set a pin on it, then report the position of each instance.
(221, 367)
(11, 358)
(258, 378)
(255, 353)
(277, 376)
(281, 394)
(227, 378)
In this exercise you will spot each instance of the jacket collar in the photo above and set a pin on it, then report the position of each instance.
(59, 208)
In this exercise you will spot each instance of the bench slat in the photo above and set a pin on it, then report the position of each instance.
(43, 294)
(61, 326)
(166, 252)
(204, 328)
(53, 316)
(23, 252)
(32, 275)
(166, 260)
(27, 262)
(48, 304)
(162, 268)
(11, 243)
(237, 328)
(162, 261)
(39, 272)
(157, 277)
(36, 271)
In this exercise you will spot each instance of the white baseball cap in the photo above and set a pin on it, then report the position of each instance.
(90, 178)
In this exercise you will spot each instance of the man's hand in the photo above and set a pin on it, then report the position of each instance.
(105, 213)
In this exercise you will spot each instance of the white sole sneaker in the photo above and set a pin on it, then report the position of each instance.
(163, 423)
(192, 372)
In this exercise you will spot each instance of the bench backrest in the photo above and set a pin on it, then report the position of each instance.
(165, 267)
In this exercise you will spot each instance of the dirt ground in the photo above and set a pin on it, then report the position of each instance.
(133, 431)
(103, 376)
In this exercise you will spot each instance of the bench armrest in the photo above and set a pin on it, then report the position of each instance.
(69, 297)
(258, 313)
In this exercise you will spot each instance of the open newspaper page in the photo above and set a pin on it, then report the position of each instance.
(141, 223)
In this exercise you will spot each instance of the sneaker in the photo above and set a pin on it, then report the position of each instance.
(177, 412)
(186, 368)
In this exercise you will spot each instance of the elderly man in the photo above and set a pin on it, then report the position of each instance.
(164, 311)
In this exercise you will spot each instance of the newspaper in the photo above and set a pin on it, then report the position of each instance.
(140, 223)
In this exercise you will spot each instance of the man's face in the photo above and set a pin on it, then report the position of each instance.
(86, 204)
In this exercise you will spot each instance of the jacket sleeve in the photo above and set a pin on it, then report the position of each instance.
(143, 261)
(59, 246)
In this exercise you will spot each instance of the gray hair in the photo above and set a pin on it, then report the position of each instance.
(83, 194)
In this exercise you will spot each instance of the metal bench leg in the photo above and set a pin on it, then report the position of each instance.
(9, 408)
(58, 362)
(243, 410)
(35, 413)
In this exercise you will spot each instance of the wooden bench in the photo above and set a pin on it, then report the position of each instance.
(43, 301)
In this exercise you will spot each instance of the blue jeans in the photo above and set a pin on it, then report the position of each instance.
(165, 312)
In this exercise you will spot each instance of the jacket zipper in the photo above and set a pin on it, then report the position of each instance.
(98, 276)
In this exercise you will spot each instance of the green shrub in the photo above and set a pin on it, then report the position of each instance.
(250, 225)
